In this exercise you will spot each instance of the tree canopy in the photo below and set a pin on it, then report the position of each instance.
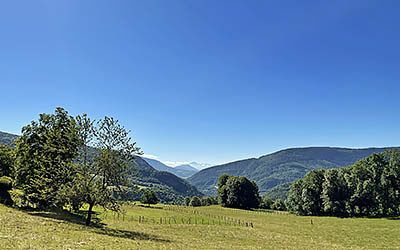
(238, 192)
(149, 197)
(6, 160)
(370, 187)
(44, 158)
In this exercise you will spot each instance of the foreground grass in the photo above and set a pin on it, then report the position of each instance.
(167, 227)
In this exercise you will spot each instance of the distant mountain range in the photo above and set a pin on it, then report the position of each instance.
(164, 182)
(200, 166)
(274, 172)
(183, 171)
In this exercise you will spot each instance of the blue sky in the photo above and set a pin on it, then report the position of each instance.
(208, 81)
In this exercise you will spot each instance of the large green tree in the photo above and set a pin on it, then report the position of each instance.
(102, 171)
(44, 158)
(311, 192)
(238, 192)
(335, 192)
(294, 200)
(390, 182)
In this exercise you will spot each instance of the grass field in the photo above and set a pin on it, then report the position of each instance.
(173, 227)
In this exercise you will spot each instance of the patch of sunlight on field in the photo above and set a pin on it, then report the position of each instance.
(174, 227)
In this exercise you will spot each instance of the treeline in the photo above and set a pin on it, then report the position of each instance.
(197, 201)
(370, 187)
(54, 165)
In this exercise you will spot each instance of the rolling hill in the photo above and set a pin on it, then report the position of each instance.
(167, 184)
(183, 171)
(273, 172)
(7, 139)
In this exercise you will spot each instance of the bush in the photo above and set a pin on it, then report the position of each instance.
(266, 202)
(149, 197)
(187, 201)
(5, 186)
(195, 202)
(18, 197)
(279, 205)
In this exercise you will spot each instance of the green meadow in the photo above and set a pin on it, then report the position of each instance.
(178, 227)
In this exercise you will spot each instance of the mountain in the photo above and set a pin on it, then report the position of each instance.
(187, 167)
(7, 139)
(200, 166)
(158, 165)
(273, 172)
(183, 171)
(167, 184)
(162, 180)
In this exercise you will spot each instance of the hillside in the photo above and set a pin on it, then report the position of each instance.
(187, 167)
(6, 138)
(148, 176)
(273, 172)
(183, 171)
(168, 185)
(174, 227)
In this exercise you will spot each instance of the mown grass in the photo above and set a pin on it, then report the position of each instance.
(167, 227)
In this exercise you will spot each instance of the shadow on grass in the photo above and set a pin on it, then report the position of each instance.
(125, 234)
(64, 216)
(148, 206)
(96, 226)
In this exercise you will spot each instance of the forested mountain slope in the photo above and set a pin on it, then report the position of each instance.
(280, 168)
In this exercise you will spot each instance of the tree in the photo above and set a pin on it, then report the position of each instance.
(335, 192)
(206, 201)
(98, 180)
(187, 201)
(7, 159)
(266, 202)
(390, 182)
(294, 199)
(44, 158)
(364, 182)
(195, 202)
(149, 197)
(238, 192)
(311, 192)
(222, 190)
(279, 205)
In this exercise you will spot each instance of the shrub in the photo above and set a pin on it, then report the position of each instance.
(266, 202)
(5, 186)
(187, 201)
(149, 197)
(18, 197)
(279, 205)
(195, 202)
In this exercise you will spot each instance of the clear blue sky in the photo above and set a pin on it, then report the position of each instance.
(208, 81)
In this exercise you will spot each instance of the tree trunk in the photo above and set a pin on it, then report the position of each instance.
(89, 214)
